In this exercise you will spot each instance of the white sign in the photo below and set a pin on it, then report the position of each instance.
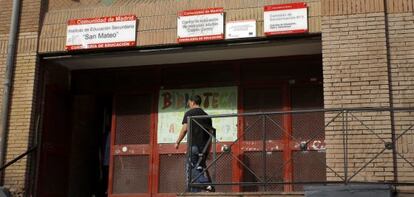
(285, 19)
(240, 29)
(217, 100)
(200, 25)
(103, 32)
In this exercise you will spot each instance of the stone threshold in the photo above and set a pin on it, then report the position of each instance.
(244, 194)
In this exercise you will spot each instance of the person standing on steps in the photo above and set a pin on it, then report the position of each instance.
(200, 139)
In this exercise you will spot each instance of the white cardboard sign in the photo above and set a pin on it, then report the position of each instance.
(240, 29)
(103, 32)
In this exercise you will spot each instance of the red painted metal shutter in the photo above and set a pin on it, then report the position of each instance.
(131, 146)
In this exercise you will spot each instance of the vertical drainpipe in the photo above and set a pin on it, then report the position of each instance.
(11, 53)
(390, 94)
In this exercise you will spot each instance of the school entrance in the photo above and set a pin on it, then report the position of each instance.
(110, 120)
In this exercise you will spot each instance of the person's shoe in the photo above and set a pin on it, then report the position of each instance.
(210, 188)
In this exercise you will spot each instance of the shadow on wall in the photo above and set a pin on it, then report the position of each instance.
(70, 4)
(4, 192)
(107, 2)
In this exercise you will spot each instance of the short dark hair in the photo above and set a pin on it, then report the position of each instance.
(196, 99)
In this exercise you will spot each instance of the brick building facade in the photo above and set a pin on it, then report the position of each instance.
(367, 61)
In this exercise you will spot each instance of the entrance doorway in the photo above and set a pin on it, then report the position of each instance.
(74, 151)
(123, 102)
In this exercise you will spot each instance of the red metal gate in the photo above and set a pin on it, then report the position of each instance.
(131, 152)
(263, 99)
(141, 167)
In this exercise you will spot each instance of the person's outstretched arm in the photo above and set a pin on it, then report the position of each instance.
(183, 132)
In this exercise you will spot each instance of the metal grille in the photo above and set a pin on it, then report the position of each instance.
(172, 174)
(221, 172)
(273, 125)
(308, 97)
(255, 173)
(360, 148)
(307, 126)
(274, 170)
(264, 100)
(404, 127)
(253, 161)
(308, 166)
(367, 134)
(253, 128)
(133, 121)
(404, 130)
(130, 174)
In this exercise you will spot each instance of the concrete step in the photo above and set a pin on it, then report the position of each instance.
(243, 194)
(405, 194)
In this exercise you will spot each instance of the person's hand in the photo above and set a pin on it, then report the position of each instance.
(177, 145)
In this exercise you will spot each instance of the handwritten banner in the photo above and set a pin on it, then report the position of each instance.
(172, 106)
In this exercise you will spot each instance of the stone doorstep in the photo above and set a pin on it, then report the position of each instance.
(245, 194)
(269, 194)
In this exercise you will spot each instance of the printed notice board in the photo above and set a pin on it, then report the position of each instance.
(285, 19)
(102, 32)
(200, 25)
